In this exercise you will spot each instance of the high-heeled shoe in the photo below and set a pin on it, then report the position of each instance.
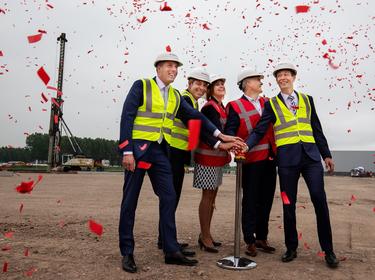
(216, 243)
(206, 248)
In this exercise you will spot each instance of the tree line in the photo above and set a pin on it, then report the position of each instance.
(37, 149)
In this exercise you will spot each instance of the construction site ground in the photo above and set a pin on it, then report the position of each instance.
(52, 229)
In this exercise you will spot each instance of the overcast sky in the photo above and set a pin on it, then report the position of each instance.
(108, 48)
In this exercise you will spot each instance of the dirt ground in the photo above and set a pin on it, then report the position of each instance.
(53, 227)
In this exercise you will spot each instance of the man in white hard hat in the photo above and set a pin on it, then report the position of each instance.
(300, 146)
(259, 168)
(198, 81)
(145, 135)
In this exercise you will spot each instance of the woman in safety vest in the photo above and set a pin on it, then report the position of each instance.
(209, 163)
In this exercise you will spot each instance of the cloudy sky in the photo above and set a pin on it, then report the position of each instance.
(112, 43)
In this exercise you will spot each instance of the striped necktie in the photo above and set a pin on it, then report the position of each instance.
(292, 104)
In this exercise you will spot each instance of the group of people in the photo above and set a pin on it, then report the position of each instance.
(282, 131)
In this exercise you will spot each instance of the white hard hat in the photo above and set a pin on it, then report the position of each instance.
(284, 66)
(167, 57)
(247, 73)
(216, 77)
(199, 74)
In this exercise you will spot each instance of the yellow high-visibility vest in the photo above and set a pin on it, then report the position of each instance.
(290, 128)
(152, 119)
(180, 133)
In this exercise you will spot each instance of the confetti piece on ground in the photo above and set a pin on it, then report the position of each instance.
(8, 234)
(95, 227)
(5, 267)
(25, 187)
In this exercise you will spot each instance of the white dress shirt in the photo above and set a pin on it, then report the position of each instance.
(256, 103)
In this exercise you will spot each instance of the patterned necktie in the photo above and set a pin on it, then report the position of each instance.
(292, 104)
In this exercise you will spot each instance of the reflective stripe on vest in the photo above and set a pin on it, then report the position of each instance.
(152, 118)
(290, 128)
(180, 133)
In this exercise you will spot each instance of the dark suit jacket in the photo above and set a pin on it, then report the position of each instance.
(133, 101)
(290, 155)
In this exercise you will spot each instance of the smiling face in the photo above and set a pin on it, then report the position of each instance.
(218, 89)
(285, 80)
(197, 88)
(167, 71)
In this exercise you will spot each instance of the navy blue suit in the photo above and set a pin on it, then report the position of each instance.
(293, 160)
(160, 172)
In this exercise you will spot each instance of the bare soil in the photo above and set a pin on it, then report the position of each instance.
(53, 226)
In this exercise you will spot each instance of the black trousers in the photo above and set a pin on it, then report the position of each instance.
(312, 172)
(258, 184)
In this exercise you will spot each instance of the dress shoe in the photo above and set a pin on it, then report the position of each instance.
(331, 259)
(251, 250)
(128, 264)
(289, 255)
(265, 246)
(206, 248)
(179, 259)
(187, 253)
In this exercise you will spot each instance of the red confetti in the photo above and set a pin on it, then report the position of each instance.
(142, 19)
(95, 227)
(26, 253)
(50, 6)
(321, 254)
(31, 270)
(42, 31)
(205, 26)
(123, 144)
(21, 207)
(45, 99)
(165, 8)
(300, 236)
(25, 187)
(324, 42)
(6, 248)
(307, 247)
(8, 234)
(61, 224)
(143, 147)
(342, 258)
(29, 109)
(1, 53)
(43, 75)
(285, 198)
(373, 209)
(5, 267)
(302, 9)
(34, 38)
(168, 48)
(194, 132)
(144, 165)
